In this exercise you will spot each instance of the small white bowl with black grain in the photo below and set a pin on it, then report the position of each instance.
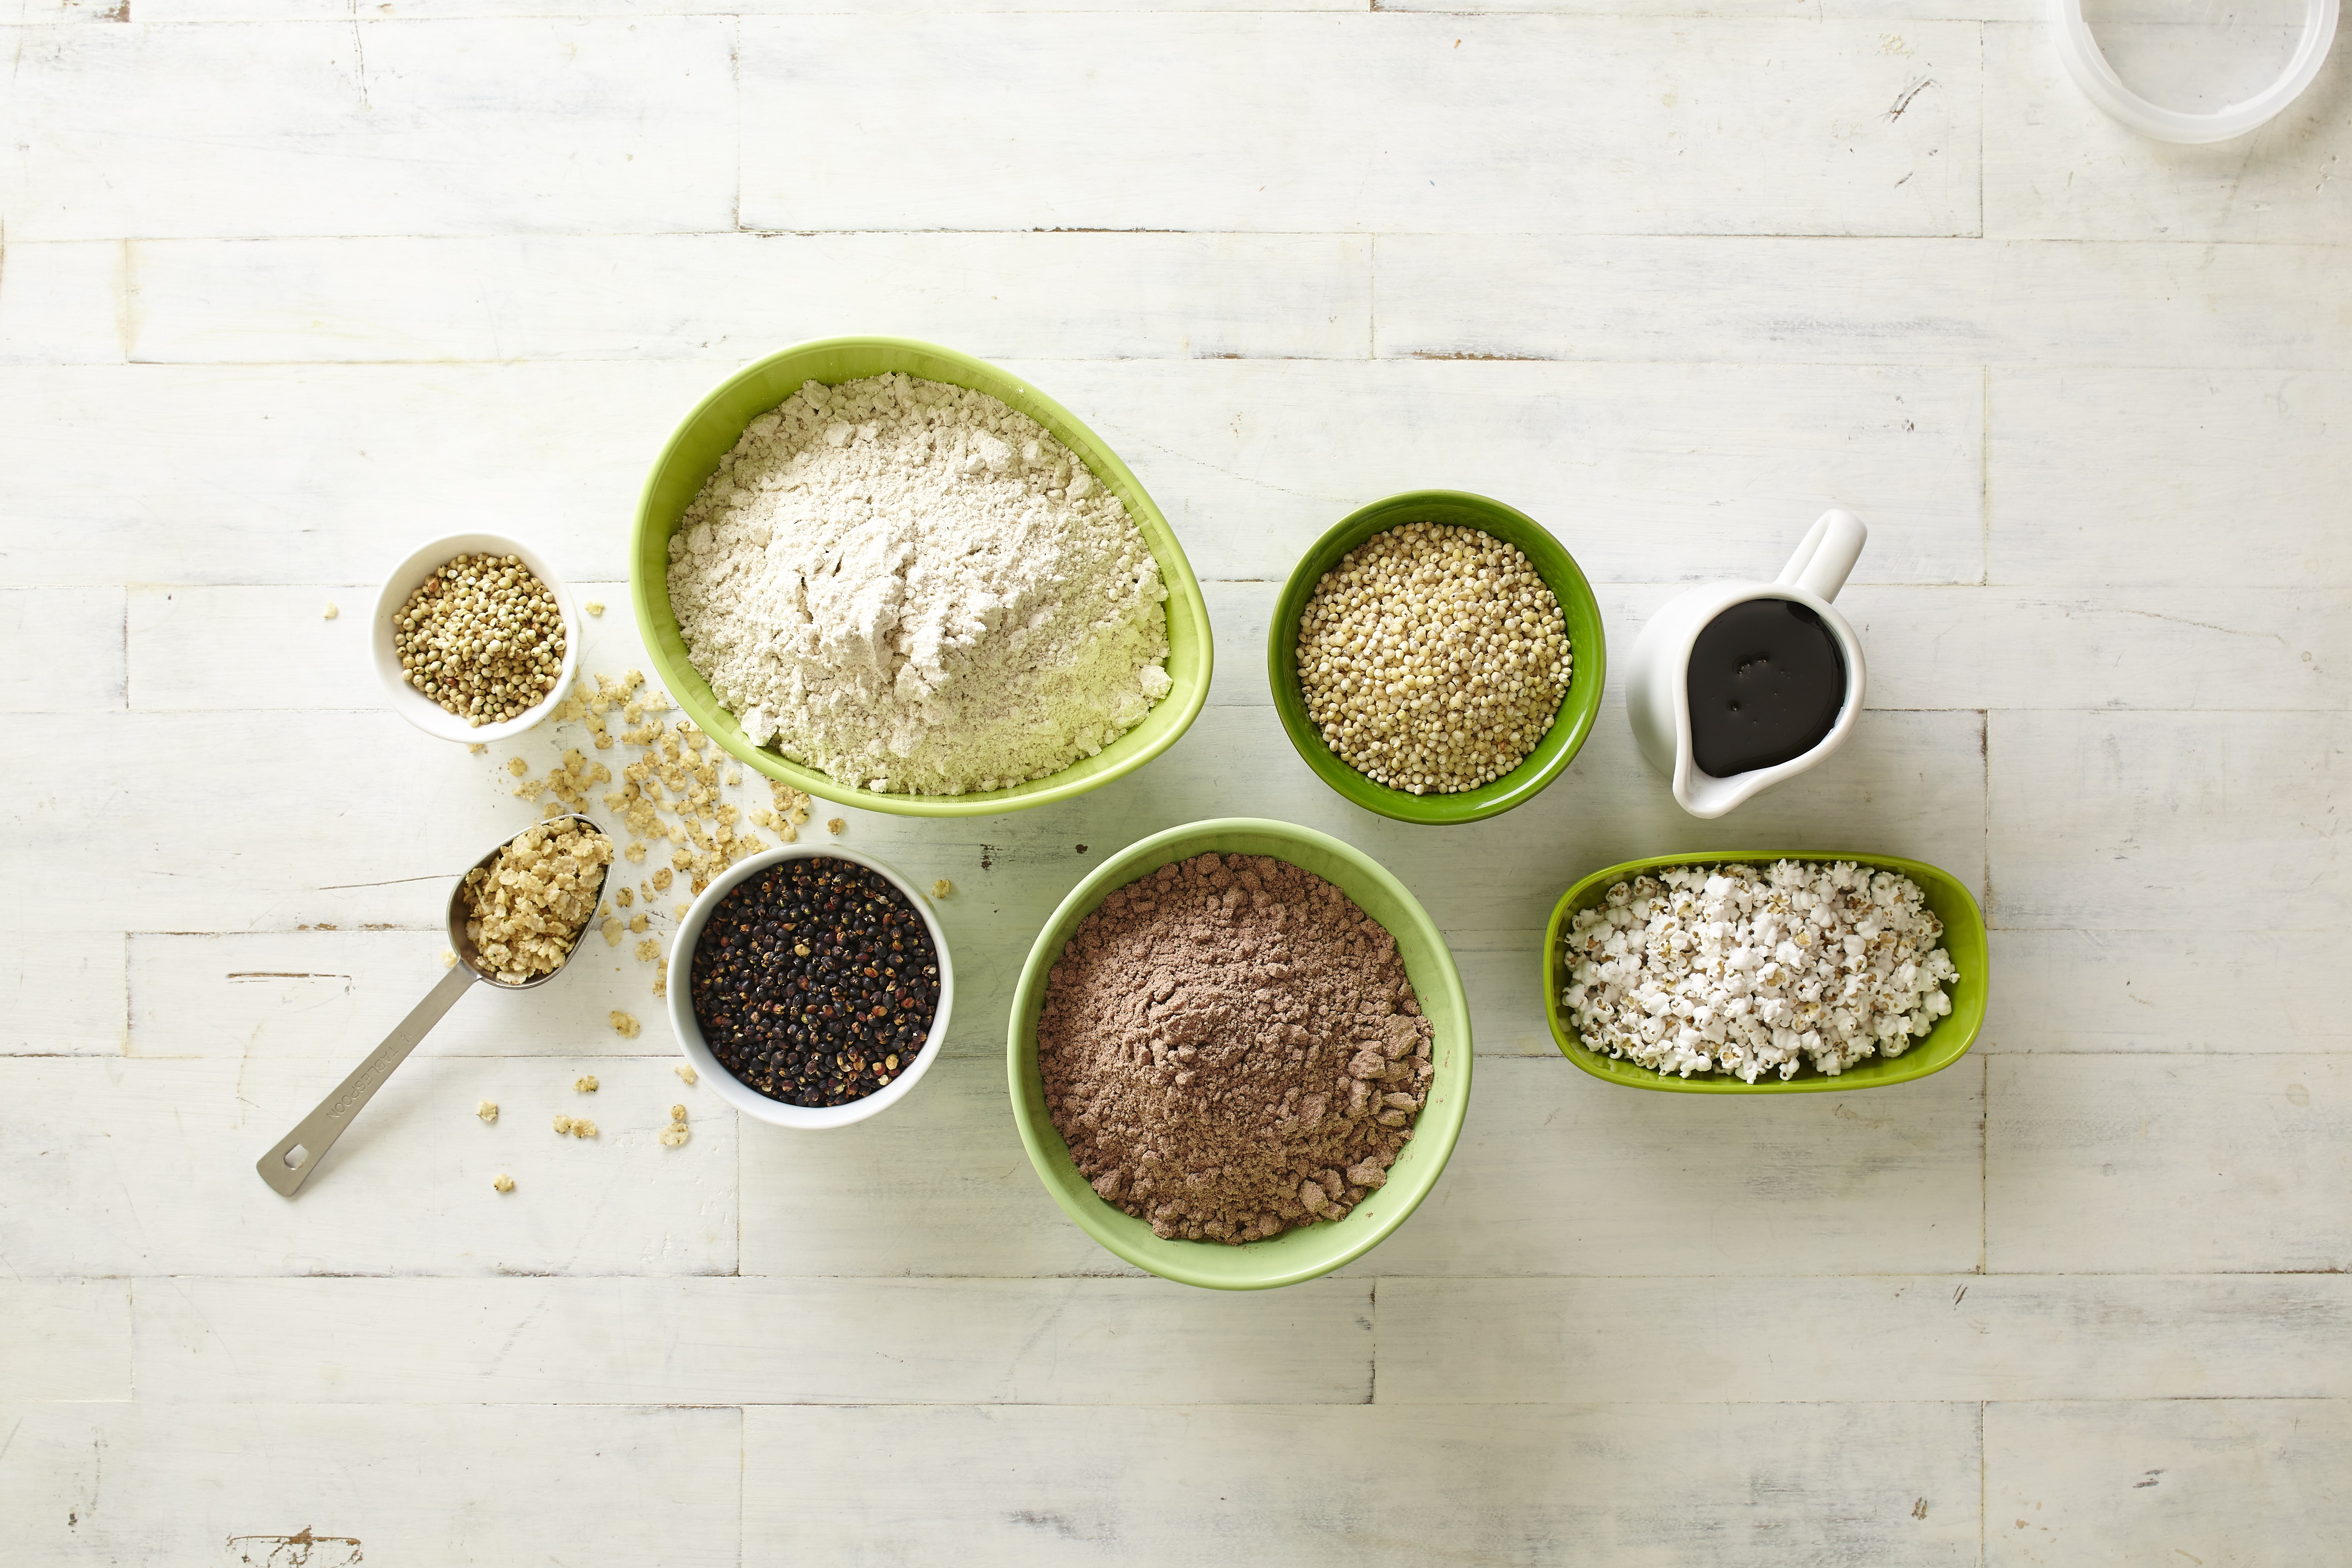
(406, 578)
(734, 1090)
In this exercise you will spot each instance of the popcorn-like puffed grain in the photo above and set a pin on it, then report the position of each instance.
(943, 888)
(503, 1182)
(687, 1073)
(835, 824)
(677, 1114)
(624, 1025)
(582, 1127)
(563, 1124)
(524, 912)
(649, 950)
(586, 1083)
(488, 1110)
(1708, 968)
(673, 1135)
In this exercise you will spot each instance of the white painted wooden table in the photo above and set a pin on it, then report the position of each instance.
(288, 285)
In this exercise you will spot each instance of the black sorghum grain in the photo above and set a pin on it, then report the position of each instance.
(815, 981)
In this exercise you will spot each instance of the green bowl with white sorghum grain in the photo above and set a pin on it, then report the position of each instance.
(1963, 939)
(1587, 652)
(710, 430)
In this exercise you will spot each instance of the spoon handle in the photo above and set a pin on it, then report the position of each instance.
(288, 1165)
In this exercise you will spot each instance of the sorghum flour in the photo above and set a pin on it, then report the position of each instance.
(918, 590)
(1230, 1048)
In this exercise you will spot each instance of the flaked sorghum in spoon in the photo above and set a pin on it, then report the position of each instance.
(815, 981)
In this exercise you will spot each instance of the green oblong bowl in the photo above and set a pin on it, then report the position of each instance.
(1947, 1042)
(1587, 649)
(714, 424)
(1294, 1255)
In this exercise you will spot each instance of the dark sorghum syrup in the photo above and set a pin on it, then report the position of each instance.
(815, 982)
(1767, 679)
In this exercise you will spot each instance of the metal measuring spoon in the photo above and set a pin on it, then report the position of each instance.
(287, 1166)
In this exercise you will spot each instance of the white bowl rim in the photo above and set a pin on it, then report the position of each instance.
(741, 1096)
(414, 705)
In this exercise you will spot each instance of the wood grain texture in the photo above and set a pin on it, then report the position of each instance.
(1769, 1485)
(2131, 821)
(1946, 1337)
(67, 1340)
(61, 652)
(1856, 301)
(2092, 1160)
(407, 1191)
(2151, 992)
(2205, 480)
(336, 1486)
(536, 125)
(67, 992)
(753, 1342)
(1422, 124)
(2220, 1483)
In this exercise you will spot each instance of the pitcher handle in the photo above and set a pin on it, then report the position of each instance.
(1830, 549)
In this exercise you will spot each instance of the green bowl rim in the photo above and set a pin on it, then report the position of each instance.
(1049, 1155)
(1578, 709)
(1931, 1055)
(1175, 572)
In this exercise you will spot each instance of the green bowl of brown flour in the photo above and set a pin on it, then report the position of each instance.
(1311, 1247)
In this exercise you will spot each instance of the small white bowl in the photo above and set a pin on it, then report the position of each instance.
(743, 1096)
(414, 705)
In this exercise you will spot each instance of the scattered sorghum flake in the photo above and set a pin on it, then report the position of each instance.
(687, 1073)
(1433, 658)
(448, 958)
(673, 1135)
(503, 1182)
(563, 1124)
(677, 1114)
(835, 824)
(649, 949)
(586, 1083)
(624, 1025)
(943, 888)
(594, 606)
(582, 1127)
(626, 897)
(330, 613)
(516, 766)
(637, 924)
(488, 1110)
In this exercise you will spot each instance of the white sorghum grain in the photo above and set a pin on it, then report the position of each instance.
(1433, 658)
(482, 636)
(1700, 968)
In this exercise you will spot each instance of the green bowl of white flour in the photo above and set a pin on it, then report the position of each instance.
(789, 732)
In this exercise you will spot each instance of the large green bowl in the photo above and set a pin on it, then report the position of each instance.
(1588, 651)
(1294, 1255)
(1947, 1042)
(691, 454)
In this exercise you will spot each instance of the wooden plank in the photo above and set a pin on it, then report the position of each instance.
(1558, 1173)
(2237, 1483)
(307, 996)
(65, 304)
(534, 125)
(1763, 1485)
(407, 1190)
(159, 474)
(61, 649)
(445, 10)
(753, 1342)
(2150, 990)
(727, 298)
(2206, 1163)
(2141, 821)
(328, 1487)
(1943, 1337)
(1555, 1174)
(66, 1338)
(1384, 122)
(1909, 782)
(2206, 478)
(2056, 167)
(67, 992)
(1861, 301)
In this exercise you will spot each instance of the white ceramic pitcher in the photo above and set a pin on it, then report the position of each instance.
(1657, 697)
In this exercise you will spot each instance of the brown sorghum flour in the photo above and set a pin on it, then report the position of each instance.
(1230, 1048)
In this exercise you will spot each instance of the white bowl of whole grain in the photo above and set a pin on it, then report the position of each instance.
(414, 705)
(743, 1097)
